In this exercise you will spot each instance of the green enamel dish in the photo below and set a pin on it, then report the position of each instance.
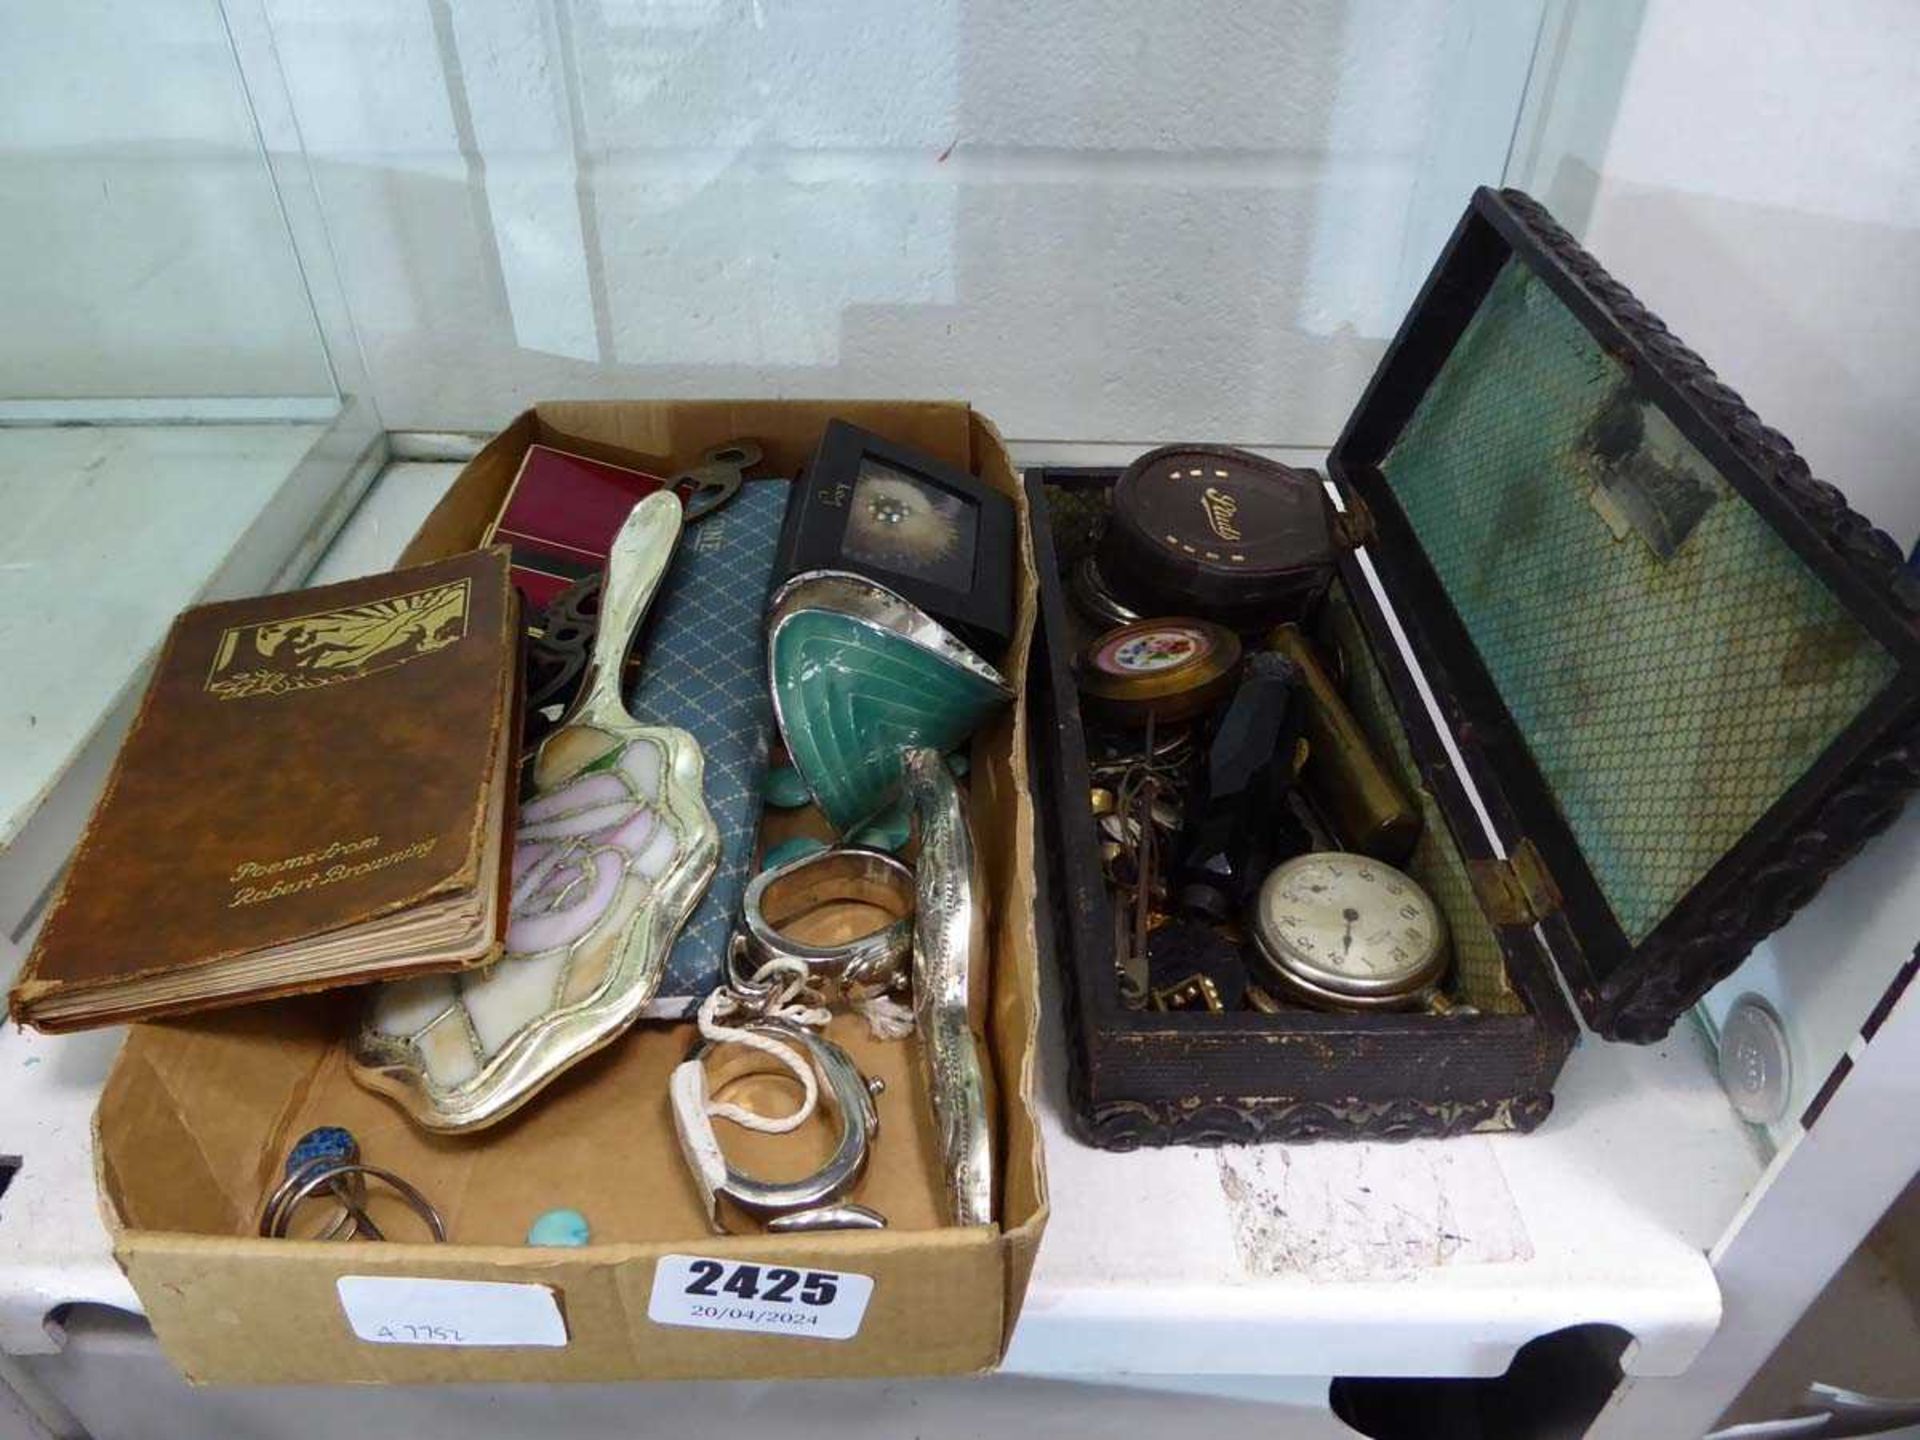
(859, 675)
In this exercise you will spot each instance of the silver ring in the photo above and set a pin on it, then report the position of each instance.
(304, 1184)
(331, 1145)
(854, 970)
(847, 1093)
(350, 1196)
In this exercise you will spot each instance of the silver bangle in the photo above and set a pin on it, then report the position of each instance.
(852, 971)
(813, 1201)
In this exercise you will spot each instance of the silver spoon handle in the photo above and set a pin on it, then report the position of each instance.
(636, 565)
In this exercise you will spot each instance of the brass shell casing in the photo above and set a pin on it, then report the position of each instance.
(1346, 779)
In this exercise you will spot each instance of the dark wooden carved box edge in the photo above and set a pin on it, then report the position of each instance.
(1877, 783)
(1136, 1083)
(1136, 1078)
(1851, 794)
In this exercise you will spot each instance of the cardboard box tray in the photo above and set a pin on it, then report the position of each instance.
(198, 1114)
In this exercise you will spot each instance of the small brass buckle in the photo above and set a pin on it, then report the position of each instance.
(1196, 992)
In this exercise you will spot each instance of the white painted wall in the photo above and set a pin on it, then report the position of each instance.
(1097, 222)
(142, 252)
(1753, 181)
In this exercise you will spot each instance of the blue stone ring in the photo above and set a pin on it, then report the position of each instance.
(321, 1148)
(328, 1143)
(328, 1159)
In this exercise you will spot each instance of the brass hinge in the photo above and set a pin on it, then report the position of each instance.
(1352, 527)
(1518, 890)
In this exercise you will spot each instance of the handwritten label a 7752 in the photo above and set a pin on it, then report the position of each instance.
(404, 1310)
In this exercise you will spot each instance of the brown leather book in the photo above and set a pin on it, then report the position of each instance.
(314, 793)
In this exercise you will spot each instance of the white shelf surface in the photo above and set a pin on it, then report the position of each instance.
(1427, 1258)
(111, 530)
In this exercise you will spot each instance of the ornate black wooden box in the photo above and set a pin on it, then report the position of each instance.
(1683, 677)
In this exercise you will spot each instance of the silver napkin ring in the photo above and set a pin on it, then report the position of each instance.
(304, 1184)
(852, 971)
(813, 1201)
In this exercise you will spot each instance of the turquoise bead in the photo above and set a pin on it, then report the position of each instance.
(787, 851)
(784, 789)
(957, 763)
(888, 830)
(559, 1227)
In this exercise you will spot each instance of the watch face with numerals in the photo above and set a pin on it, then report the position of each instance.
(1348, 931)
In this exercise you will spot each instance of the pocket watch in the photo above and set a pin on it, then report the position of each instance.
(1338, 931)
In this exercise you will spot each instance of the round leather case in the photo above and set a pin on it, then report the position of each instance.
(1212, 531)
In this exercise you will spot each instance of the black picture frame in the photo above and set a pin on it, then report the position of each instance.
(976, 601)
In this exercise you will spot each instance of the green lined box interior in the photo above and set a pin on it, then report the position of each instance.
(1479, 975)
(1671, 664)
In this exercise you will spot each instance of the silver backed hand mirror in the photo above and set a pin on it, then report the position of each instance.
(613, 850)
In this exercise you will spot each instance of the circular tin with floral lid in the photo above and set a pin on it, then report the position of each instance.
(1172, 669)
